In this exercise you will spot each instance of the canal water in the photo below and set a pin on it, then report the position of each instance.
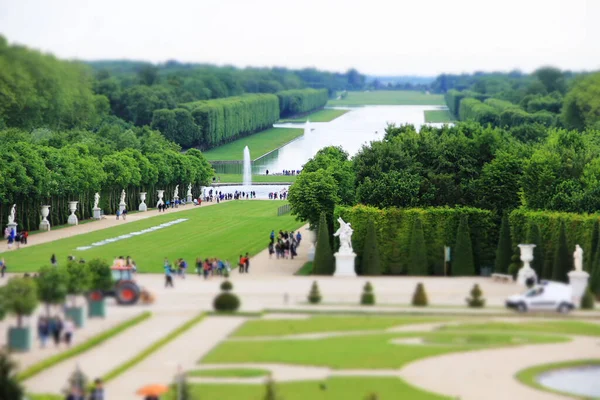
(580, 381)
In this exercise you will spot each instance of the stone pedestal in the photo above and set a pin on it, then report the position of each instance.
(122, 207)
(12, 226)
(97, 213)
(578, 281)
(160, 201)
(45, 224)
(143, 206)
(189, 199)
(344, 264)
(72, 220)
(175, 201)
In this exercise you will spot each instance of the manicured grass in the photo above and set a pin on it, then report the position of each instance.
(319, 324)
(306, 269)
(82, 348)
(229, 373)
(154, 347)
(44, 397)
(335, 388)
(260, 144)
(389, 97)
(355, 351)
(437, 116)
(225, 231)
(237, 178)
(529, 376)
(555, 327)
(326, 115)
(489, 339)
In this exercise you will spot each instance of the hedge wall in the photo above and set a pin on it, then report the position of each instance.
(440, 224)
(473, 109)
(224, 120)
(300, 101)
(578, 227)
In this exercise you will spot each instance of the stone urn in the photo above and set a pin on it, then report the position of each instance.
(143, 206)
(45, 224)
(161, 194)
(72, 220)
(526, 272)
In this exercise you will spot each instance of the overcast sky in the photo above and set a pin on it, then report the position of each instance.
(393, 37)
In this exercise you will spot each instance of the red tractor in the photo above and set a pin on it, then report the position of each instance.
(125, 291)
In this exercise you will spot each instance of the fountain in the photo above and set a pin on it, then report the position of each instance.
(247, 177)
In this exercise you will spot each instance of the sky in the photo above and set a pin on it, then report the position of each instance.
(377, 37)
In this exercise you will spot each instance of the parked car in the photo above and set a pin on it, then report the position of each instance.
(546, 296)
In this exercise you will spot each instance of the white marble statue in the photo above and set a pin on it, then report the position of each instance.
(122, 197)
(578, 258)
(176, 193)
(189, 193)
(96, 200)
(345, 234)
(11, 216)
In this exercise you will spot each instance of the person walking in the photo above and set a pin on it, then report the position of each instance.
(2, 267)
(43, 331)
(168, 274)
(69, 330)
(97, 392)
(247, 263)
(124, 214)
(56, 328)
(53, 260)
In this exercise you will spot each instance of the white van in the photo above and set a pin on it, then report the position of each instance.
(546, 296)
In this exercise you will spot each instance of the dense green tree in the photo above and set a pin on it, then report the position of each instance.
(78, 280)
(313, 194)
(591, 253)
(417, 259)
(370, 262)
(51, 286)
(462, 261)
(552, 78)
(504, 249)
(20, 297)
(100, 275)
(323, 263)
(10, 388)
(594, 281)
(582, 104)
(563, 260)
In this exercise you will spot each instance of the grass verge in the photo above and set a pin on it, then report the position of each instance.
(259, 144)
(326, 115)
(154, 347)
(306, 269)
(238, 178)
(529, 376)
(229, 373)
(390, 97)
(82, 348)
(438, 116)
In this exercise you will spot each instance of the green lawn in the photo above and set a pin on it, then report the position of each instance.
(556, 327)
(335, 388)
(229, 373)
(436, 116)
(359, 351)
(237, 178)
(326, 115)
(317, 324)
(306, 269)
(225, 231)
(260, 144)
(389, 97)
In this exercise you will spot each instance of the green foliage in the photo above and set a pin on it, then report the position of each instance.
(81, 348)
(581, 107)
(504, 249)
(439, 228)
(226, 302)
(594, 246)
(271, 390)
(418, 251)
(51, 286)
(226, 286)
(368, 297)
(370, 259)
(10, 388)
(594, 281)
(314, 194)
(588, 300)
(515, 263)
(476, 300)
(323, 263)
(314, 296)
(19, 297)
(462, 261)
(100, 275)
(181, 388)
(300, 101)
(419, 298)
(79, 279)
(563, 260)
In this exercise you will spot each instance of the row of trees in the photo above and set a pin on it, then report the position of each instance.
(294, 102)
(502, 113)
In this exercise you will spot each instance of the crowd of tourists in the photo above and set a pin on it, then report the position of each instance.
(278, 196)
(287, 172)
(206, 268)
(214, 195)
(55, 328)
(13, 237)
(284, 244)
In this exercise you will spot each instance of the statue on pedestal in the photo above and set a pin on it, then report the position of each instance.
(11, 215)
(578, 258)
(96, 200)
(122, 201)
(189, 192)
(176, 193)
(345, 234)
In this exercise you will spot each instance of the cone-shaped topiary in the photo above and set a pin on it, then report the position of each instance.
(504, 249)
(515, 264)
(476, 300)
(463, 264)
(395, 263)
(588, 301)
(419, 297)
(314, 296)
(370, 263)
(563, 261)
(323, 263)
(534, 237)
(368, 297)
(226, 286)
(589, 265)
(417, 256)
(548, 263)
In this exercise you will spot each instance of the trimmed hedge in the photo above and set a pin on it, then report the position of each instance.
(81, 348)
(154, 347)
(394, 227)
(226, 302)
(300, 101)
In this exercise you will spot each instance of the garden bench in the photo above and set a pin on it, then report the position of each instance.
(502, 277)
